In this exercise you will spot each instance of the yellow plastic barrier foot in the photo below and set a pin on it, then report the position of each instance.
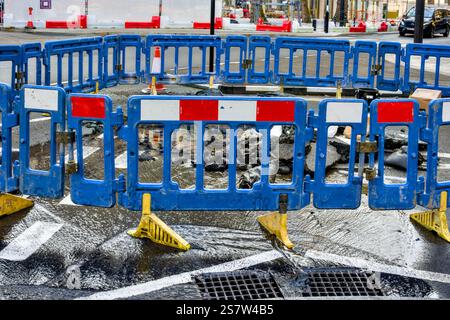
(435, 220)
(156, 230)
(10, 204)
(276, 223)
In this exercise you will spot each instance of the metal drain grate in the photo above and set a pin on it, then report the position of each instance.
(339, 283)
(239, 285)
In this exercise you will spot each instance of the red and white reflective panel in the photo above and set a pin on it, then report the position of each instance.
(344, 112)
(87, 107)
(217, 110)
(396, 112)
(42, 99)
(446, 112)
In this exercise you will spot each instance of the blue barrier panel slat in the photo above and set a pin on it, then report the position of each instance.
(363, 51)
(387, 113)
(240, 43)
(196, 73)
(130, 74)
(111, 61)
(43, 100)
(32, 51)
(257, 43)
(171, 112)
(12, 54)
(307, 45)
(438, 116)
(425, 52)
(86, 81)
(96, 108)
(384, 80)
(334, 113)
(8, 182)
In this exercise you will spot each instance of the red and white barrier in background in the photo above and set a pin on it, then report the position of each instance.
(80, 23)
(154, 24)
(207, 25)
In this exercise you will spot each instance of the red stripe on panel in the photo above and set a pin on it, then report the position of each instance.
(394, 112)
(275, 111)
(199, 110)
(85, 107)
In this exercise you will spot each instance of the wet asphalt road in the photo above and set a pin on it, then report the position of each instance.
(94, 243)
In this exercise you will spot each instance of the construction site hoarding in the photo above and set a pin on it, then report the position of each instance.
(105, 13)
(17, 13)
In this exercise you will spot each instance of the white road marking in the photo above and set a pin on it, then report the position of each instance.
(29, 241)
(121, 161)
(378, 267)
(444, 166)
(87, 151)
(185, 277)
(444, 155)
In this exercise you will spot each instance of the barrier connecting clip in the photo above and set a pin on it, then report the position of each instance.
(156, 230)
(276, 223)
(435, 220)
(10, 204)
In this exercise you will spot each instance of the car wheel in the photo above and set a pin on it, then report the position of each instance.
(402, 33)
(432, 32)
(447, 31)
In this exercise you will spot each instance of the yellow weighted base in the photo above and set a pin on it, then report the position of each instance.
(276, 224)
(435, 220)
(10, 204)
(156, 230)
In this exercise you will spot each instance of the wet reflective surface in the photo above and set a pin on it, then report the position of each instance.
(93, 253)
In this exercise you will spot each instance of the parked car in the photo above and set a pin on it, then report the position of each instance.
(436, 21)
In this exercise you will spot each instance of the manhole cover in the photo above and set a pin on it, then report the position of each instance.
(239, 285)
(340, 282)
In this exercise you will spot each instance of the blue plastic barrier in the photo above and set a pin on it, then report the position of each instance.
(43, 100)
(395, 112)
(171, 112)
(11, 55)
(32, 51)
(364, 51)
(306, 46)
(256, 74)
(8, 182)
(438, 116)
(384, 80)
(132, 74)
(111, 61)
(86, 82)
(425, 52)
(192, 75)
(236, 42)
(334, 113)
(97, 108)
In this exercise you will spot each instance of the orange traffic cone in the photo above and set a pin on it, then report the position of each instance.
(155, 87)
(30, 24)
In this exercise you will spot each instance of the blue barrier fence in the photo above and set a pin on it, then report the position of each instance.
(78, 65)
(170, 113)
